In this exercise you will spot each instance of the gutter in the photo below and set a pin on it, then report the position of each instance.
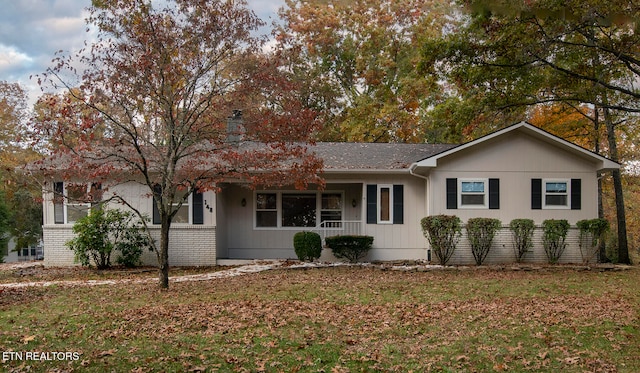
(412, 172)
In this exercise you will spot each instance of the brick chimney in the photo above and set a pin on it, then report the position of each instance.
(234, 128)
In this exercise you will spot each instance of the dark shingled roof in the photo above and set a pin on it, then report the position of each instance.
(336, 156)
(374, 156)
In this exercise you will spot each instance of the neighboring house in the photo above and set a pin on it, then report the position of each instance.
(23, 255)
(381, 190)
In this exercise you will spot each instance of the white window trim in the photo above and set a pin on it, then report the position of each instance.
(279, 194)
(189, 204)
(68, 202)
(278, 209)
(379, 203)
(544, 194)
(485, 193)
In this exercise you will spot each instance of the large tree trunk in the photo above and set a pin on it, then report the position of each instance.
(623, 249)
(602, 250)
(163, 254)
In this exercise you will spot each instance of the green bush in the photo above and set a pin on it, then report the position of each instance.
(443, 233)
(103, 232)
(554, 236)
(592, 233)
(480, 233)
(307, 245)
(352, 248)
(522, 230)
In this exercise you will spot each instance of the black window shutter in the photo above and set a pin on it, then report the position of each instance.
(96, 195)
(197, 209)
(58, 202)
(494, 194)
(576, 194)
(536, 194)
(398, 204)
(156, 213)
(452, 194)
(372, 204)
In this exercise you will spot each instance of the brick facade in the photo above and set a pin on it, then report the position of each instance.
(189, 245)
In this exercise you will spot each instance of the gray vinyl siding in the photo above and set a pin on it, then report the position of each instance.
(391, 241)
(515, 160)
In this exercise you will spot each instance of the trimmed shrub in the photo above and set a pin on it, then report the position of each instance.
(480, 233)
(591, 237)
(443, 233)
(522, 230)
(554, 236)
(352, 248)
(103, 232)
(307, 245)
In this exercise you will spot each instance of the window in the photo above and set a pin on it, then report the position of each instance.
(76, 206)
(298, 210)
(289, 210)
(73, 201)
(556, 193)
(182, 216)
(191, 211)
(266, 210)
(473, 193)
(331, 208)
(385, 204)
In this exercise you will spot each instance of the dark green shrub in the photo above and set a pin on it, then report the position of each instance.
(480, 233)
(522, 230)
(352, 248)
(592, 233)
(554, 235)
(103, 232)
(307, 245)
(443, 233)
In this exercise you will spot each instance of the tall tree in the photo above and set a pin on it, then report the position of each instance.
(357, 61)
(26, 220)
(5, 226)
(514, 55)
(160, 82)
(17, 195)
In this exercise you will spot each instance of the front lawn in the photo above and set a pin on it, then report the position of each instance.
(344, 319)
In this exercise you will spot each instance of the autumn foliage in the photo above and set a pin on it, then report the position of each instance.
(152, 105)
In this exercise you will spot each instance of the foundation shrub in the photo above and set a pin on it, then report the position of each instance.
(351, 248)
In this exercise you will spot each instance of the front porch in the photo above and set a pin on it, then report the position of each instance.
(260, 224)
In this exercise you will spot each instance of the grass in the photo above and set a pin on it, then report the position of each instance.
(346, 319)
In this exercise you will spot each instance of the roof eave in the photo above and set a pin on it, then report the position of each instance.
(604, 163)
(365, 171)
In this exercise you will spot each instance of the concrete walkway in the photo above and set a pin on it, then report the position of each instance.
(231, 272)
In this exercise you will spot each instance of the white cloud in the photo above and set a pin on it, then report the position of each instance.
(12, 60)
(32, 31)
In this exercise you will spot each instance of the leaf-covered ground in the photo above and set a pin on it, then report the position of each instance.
(345, 319)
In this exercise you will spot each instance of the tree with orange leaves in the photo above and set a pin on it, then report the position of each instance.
(357, 62)
(160, 81)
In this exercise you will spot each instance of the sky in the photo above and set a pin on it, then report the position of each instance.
(31, 31)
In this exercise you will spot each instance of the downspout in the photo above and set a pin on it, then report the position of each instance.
(427, 186)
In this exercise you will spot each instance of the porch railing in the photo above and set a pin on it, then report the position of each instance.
(330, 228)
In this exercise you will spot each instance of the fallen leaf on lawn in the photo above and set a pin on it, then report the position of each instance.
(107, 353)
(28, 338)
(572, 360)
